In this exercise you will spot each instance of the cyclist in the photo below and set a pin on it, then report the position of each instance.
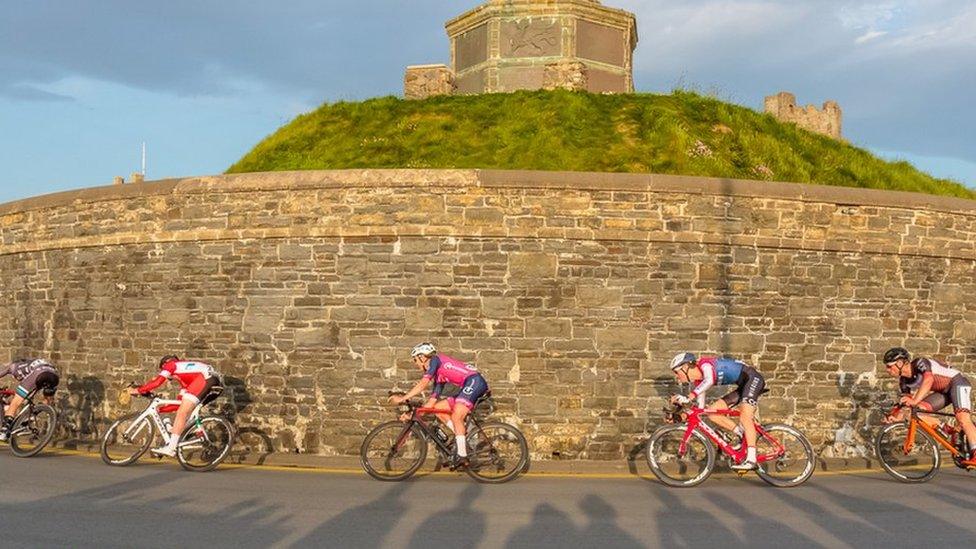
(196, 378)
(710, 370)
(931, 385)
(32, 374)
(442, 369)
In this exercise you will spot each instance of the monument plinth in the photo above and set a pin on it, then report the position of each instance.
(509, 45)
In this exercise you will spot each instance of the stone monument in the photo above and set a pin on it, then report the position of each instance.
(509, 45)
(826, 121)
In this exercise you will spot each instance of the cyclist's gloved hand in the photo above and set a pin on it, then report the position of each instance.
(680, 399)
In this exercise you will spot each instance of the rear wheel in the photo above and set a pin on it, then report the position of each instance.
(33, 431)
(676, 468)
(126, 441)
(497, 452)
(792, 465)
(393, 451)
(918, 464)
(205, 444)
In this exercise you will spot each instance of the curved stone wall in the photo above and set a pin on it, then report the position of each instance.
(571, 291)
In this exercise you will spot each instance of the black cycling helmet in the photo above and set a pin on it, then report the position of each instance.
(896, 353)
(167, 358)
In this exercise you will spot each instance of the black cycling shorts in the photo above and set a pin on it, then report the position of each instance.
(748, 389)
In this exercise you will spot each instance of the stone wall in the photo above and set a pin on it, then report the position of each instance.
(826, 121)
(570, 291)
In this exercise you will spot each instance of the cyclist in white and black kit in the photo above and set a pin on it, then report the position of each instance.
(931, 385)
(31, 374)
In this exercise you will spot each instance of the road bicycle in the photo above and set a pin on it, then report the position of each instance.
(395, 450)
(204, 444)
(683, 454)
(909, 450)
(33, 427)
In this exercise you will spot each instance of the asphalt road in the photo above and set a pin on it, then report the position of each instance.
(76, 501)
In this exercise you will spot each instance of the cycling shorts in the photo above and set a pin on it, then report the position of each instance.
(198, 389)
(42, 378)
(959, 394)
(474, 387)
(748, 388)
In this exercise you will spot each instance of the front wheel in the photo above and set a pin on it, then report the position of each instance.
(33, 431)
(393, 451)
(918, 463)
(205, 443)
(674, 467)
(497, 452)
(789, 459)
(127, 440)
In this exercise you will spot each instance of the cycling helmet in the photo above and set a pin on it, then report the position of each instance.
(894, 354)
(426, 349)
(166, 359)
(681, 359)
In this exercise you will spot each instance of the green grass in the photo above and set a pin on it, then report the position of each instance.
(683, 133)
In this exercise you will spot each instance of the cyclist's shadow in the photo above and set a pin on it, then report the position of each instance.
(433, 534)
(252, 443)
(365, 525)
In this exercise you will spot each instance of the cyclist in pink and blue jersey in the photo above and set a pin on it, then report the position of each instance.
(441, 370)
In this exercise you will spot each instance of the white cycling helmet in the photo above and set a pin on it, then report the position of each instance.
(426, 349)
(681, 359)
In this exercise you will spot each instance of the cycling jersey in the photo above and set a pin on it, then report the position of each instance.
(949, 386)
(196, 378)
(726, 371)
(33, 374)
(444, 369)
(926, 368)
(24, 367)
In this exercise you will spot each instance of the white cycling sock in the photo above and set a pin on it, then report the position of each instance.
(462, 449)
(751, 454)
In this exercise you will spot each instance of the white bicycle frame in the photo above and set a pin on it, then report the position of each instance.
(152, 413)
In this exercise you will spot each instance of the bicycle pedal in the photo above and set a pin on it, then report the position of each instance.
(742, 473)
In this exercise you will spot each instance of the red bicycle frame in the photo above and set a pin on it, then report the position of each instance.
(696, 422)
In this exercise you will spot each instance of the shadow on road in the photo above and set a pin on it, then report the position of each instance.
(551, 527)
(140, 518)
(366, 525)
(436, 531)
(759, 527)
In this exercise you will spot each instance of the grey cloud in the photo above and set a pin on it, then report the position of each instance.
(23, 92)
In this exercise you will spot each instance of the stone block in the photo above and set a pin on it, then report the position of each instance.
(591, 296)
(621, 338)
(869, 327)
(531, 265)
(423, 81)
(548, 327)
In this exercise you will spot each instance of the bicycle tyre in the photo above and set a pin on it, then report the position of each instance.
(387, 434)
(140, 448)
(664, 435)
(809, 464)
(41, 439)
(890, 435)
(212, 454)
(477, 469)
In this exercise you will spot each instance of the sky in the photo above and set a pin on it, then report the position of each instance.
(84, 83)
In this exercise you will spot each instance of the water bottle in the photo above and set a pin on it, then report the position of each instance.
(168, 424)
(441, 435)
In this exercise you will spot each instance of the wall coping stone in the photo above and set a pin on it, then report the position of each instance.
(592, 181)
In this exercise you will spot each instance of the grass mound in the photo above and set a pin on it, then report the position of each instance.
(681, 134)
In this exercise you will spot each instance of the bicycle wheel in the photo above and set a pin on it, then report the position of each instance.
(791, 467)
(497, 452)
(393, 451)
(33, 431)
(676, 469)
(205, 444)
(918, 464)
(125, 442)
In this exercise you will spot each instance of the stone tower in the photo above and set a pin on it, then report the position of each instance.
(508, 45)
(826, 121)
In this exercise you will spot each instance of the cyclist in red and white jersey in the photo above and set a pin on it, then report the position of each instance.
(443, 369)
(931, 385)
(196, 380)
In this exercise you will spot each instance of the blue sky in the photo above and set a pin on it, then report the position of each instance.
(83, 83)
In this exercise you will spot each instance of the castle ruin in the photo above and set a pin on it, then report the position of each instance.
(826, 121)
(509, 45)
